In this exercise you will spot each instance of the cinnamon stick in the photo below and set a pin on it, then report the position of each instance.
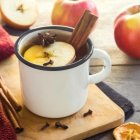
(75, 33)
(11, 118)
(12, 110)
(9, 95)
(83, 29)
(89, 28)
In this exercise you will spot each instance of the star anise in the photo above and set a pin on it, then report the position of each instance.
(47, 38)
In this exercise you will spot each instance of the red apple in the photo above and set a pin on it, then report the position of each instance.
(127, 31)
(68, 12)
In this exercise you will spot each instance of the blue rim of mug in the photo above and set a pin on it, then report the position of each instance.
(64, 28)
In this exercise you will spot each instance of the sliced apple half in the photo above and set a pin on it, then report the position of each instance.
(20, 14)
(59, 53)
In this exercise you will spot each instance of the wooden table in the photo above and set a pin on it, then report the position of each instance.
(125, 75)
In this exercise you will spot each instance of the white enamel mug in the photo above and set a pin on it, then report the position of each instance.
(56, 92)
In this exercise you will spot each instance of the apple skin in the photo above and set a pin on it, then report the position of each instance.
(68, 12)
(127, 31)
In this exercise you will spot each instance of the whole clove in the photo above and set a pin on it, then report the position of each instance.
(87, 113)
(45, 126)
(19, 130)
(59, 125)
(21, 8)
(47, 63)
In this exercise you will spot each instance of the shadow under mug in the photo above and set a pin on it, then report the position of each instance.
(56, 92)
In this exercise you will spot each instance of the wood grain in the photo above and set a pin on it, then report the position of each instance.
(118, 58)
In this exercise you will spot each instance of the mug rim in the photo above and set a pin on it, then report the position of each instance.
(58, 27)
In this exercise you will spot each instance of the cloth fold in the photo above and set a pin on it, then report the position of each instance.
(6, 44)
(7, 132)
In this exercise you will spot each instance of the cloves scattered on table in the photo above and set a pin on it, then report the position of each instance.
(88, 113)
(45, 126)
(59, 125)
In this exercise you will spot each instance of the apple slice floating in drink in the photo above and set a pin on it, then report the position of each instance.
(54, 55)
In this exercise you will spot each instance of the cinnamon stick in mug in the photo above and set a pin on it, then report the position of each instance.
(83, 29)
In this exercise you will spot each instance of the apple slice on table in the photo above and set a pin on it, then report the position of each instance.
(54, 55)
(19, 14)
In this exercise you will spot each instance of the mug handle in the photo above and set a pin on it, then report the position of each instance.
(98, 77)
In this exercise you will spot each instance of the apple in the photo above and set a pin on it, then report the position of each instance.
(68, 12)
(19, 14)
(127, 31)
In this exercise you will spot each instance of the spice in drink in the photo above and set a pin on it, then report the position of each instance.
(47, 38)
(48, 63)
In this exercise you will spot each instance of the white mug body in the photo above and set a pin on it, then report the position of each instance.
(54, 94)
